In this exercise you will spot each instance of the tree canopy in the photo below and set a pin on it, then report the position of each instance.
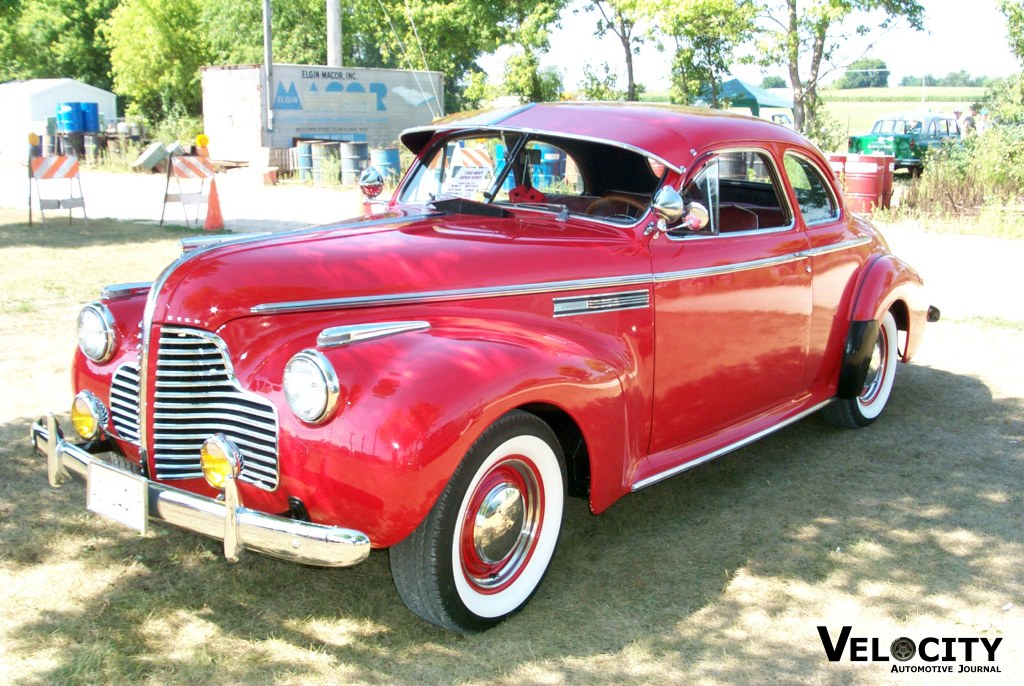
(865, 73)
(806, 36)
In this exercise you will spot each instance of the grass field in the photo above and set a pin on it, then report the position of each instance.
(911, 527)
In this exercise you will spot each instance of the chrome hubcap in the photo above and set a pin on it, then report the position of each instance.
(499, 523)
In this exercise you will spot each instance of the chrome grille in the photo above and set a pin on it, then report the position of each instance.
(196, 396)
(124, 402)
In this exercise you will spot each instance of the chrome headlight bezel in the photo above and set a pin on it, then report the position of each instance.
(102, 337)
(311, 386)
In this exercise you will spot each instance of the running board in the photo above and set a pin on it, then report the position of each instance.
(690, 464)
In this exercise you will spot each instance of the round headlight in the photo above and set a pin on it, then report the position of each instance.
(88, 415)
(220, 460)
(96, 332)
(311, 386)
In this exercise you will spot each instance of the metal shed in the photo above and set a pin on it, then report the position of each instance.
(27, 104)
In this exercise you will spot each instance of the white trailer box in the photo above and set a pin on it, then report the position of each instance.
(313, 103)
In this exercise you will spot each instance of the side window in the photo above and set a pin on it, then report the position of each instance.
(553, 170)
(741, 192)
(813, 193)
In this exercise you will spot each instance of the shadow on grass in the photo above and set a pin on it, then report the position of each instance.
(57, 233)
(918, 502)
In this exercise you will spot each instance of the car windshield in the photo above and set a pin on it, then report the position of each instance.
(537, 172)
(897, 126)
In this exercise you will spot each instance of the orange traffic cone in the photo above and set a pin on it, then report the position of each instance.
(214, 221)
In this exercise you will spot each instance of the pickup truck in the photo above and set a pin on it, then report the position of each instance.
(907, 137)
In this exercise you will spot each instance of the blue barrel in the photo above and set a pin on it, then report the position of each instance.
(305, 160)
(90, 117)
(387, 161)
(69, 117)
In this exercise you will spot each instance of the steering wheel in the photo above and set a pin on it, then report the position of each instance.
(609, 200)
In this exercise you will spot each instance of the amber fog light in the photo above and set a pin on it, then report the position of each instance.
(96, 332)
(220, 460)
(88, 415)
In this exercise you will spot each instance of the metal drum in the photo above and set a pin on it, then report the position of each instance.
(864, 178)
(354, 156)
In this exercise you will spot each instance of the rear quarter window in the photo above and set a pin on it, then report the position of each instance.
(813, 192)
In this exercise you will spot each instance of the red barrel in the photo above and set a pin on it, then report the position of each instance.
(889, 169)
(837, 160)
(865, 175)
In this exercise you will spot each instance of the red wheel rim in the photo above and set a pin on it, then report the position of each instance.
(502, 524)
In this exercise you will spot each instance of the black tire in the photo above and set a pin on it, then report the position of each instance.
(854, 413)
(484, 548)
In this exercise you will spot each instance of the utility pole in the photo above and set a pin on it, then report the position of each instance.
(334, 33)
(268, 63)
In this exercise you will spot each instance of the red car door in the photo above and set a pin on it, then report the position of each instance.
(732, 308)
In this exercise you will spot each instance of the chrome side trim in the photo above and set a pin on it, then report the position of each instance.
(836, 247)
(449, 295)
(603, 302)
(678, 469)
(344, 335)
(124, 290)
(729, 268)
(228, 521)
(548, 287)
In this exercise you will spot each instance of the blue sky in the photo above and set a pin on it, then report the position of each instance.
(958, 35)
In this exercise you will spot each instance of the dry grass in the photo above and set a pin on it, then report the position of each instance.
(909, 528)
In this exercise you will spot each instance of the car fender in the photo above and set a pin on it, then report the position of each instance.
(888, 283)
(412, 404)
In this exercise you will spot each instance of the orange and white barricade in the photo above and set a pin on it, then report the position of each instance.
(186, 170)
(50, 173)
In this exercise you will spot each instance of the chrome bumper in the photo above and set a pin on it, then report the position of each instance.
(227, 520)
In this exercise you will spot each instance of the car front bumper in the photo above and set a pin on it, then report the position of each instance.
(224, 519)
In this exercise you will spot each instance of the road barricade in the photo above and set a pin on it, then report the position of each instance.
(186, 170)
(51, 173)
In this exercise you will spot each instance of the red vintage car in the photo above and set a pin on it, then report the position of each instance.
(564, 299)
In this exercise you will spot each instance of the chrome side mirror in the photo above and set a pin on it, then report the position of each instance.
(697, 217)
(371, 182)
(668, 206)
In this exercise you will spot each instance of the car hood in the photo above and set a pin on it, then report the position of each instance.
(387, 258)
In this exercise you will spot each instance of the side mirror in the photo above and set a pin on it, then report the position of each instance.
(697, 217)
(371, 183)
(668, 206)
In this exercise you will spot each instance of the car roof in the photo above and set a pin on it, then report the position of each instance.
(669, 134)
(922, 116)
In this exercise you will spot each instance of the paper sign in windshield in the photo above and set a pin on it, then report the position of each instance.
(466, 181)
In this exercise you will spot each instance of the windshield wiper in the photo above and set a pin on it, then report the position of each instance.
(563, 210)
(455, 205)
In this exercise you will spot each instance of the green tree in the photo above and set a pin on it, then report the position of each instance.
(805, 37)
(529, 32)
(157, 50)
(706, 34)
(601, 87)
(1013, 10)
(773, 82)
(55, 39)
(865, 73)
(624, 19)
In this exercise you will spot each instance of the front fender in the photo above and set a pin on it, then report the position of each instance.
(411, 405)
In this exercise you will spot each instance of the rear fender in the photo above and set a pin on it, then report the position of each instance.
(889, 284)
